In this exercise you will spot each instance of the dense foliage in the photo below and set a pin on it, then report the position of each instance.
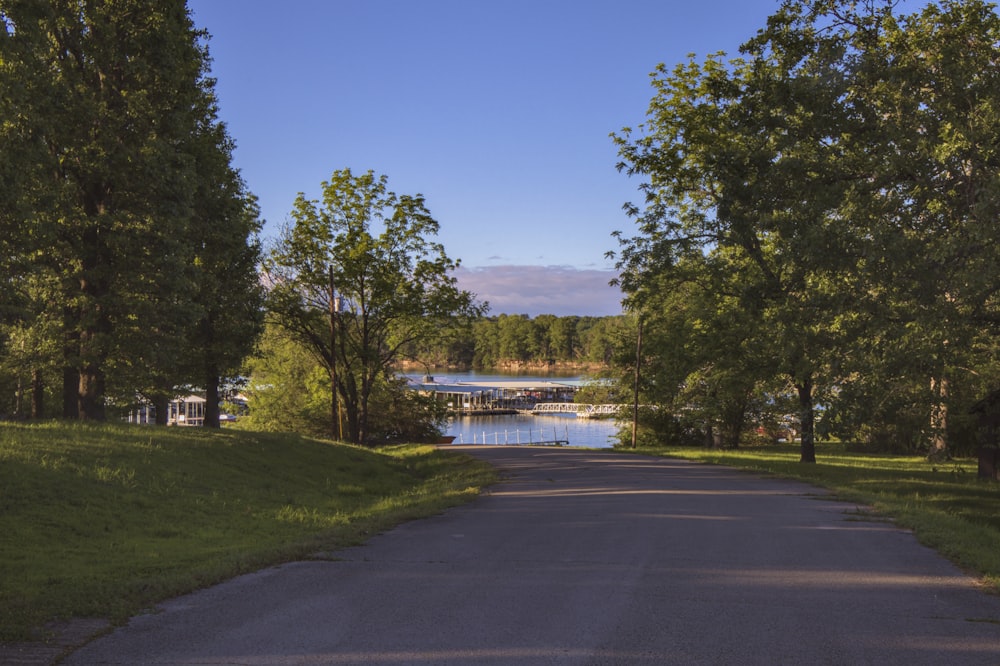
(289, 391)
(127, 239)
(820, 224)
(357, 277)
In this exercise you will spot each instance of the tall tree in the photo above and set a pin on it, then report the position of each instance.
(229, 295)
(373, 250)
(931, 91)
(846, 170)
(745, 176)
(101, 101)
(119, 186)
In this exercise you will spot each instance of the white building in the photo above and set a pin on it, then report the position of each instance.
(184, 410)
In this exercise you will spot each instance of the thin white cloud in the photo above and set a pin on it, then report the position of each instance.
(533, 290)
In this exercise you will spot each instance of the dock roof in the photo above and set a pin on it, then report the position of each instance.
(464, 387)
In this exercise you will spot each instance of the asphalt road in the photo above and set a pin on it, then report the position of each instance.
(594, 558)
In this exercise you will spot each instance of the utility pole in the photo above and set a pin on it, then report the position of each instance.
(336, 428)
(635, 387)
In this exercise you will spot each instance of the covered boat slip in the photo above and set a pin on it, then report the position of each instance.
(496, 397)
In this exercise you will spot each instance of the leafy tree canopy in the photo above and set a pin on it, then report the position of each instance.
(363, 259)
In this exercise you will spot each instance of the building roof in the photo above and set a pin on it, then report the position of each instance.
(530, 385)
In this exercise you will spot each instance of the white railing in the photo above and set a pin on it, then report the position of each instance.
(600, 410)
(558, 408)
(580, 409)
(516, 437)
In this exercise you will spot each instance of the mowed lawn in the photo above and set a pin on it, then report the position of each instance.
(105, 520)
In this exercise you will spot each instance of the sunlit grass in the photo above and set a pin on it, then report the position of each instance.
(104, 520)
(945, 504)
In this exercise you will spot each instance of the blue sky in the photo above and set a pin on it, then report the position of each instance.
(499, 113)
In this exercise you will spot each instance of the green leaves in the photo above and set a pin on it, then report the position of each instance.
(836, 181)
(118, 189)
(395, 283)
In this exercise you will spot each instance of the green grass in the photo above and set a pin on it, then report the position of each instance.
(106, 520)
(945, 504)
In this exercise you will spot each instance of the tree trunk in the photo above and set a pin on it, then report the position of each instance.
(363, 418)
(71, 384)
(91, 394)
(212, 399)
(367, 384)
(732, 438)
(37, 394)
(19, 399)
(734, 421)
(806, 418)
(161, 409)
(349, 404)
(93, 324)
(353, 422)
(939, 419)
(71, 374)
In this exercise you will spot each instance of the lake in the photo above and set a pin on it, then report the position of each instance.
(527, 429)
(523, 428)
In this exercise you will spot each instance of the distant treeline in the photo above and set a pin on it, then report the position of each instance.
(519, 340)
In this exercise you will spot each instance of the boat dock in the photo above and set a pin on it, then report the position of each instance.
(496, 397)
(517, 437)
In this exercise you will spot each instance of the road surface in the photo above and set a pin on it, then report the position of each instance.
(594, 558)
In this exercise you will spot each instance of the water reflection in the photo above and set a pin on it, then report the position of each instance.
(523, 428)
(527, 429)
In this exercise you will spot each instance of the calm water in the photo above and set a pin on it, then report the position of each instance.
(521, 428)
(525, 429)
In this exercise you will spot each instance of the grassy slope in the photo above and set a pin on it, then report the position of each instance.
(104, 520)
(945, 504)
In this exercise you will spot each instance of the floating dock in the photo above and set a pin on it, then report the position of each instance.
(496, 397)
